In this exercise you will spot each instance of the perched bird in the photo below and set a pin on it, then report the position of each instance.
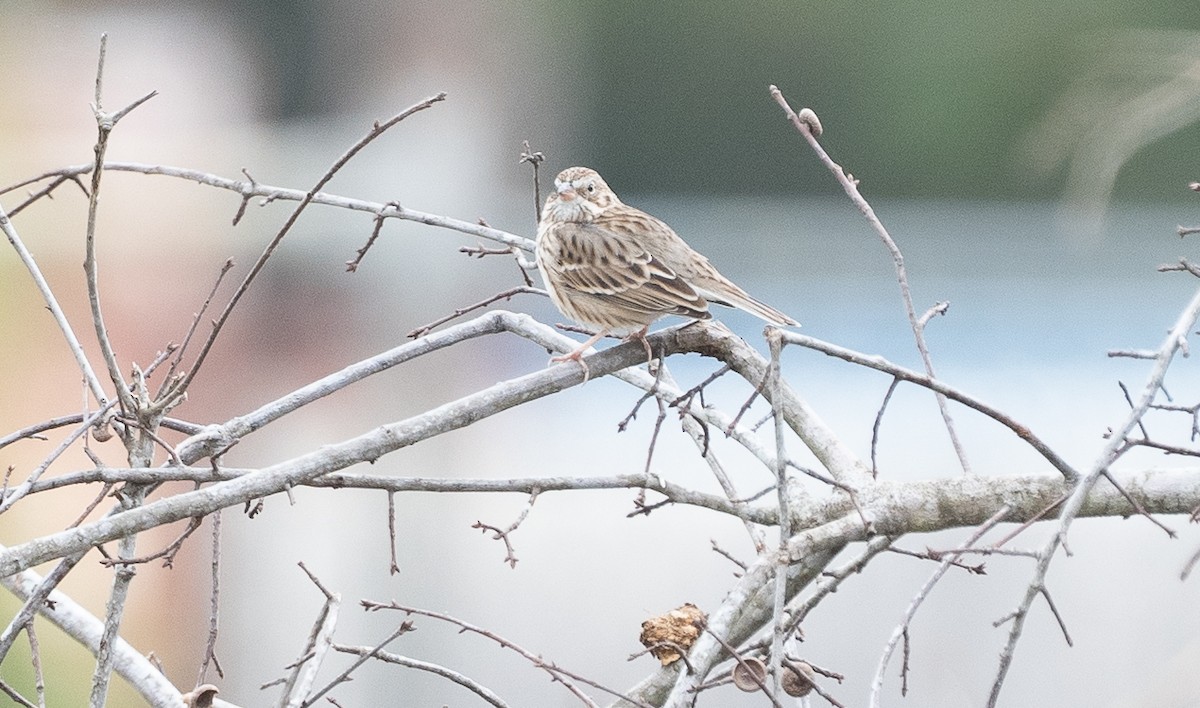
(618, 269)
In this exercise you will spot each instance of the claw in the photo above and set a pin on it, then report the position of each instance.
(577, 356)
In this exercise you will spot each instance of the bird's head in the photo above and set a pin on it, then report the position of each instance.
(580, 195)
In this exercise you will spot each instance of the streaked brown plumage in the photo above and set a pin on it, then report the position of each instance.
(618, 269)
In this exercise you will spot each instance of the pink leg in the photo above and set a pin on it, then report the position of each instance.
(640, 335)
(577, 355)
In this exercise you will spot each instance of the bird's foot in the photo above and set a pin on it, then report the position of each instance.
(640, 336)
(577, 356)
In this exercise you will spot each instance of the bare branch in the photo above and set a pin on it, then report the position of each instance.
(105, 123)
(214, 606)
(557, 674)
(880, 364)
(169, 378)
(377, 130)
(833, 579)
(783, 496)
(878, 422)
(79, 624)
(249, 189)
(902, 630)
(320, 640)
(43, 287)
(810, 128)
(387, 657)
(750, 603)
(499, 534)
(1175, 340)
(13, 496)
(114, 611)
(404, 628)
(535, 159)
(504, 295)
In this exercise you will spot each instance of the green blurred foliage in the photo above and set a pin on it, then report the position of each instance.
(921, 98)
(66, 667)
(917, 98)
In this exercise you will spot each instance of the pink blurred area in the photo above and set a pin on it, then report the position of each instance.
(162, 241)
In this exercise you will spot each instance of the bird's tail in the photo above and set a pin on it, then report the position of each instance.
(736, 297)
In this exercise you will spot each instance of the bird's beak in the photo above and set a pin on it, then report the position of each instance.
(566, 191)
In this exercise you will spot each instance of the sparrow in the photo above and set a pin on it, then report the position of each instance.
(617, 269)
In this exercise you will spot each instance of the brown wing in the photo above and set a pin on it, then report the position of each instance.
(688, 265)
(596, 261)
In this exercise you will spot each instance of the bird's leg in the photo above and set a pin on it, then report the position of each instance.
(577, 355)
(640, 335)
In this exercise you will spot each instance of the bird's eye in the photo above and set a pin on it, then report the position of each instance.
(591, 188)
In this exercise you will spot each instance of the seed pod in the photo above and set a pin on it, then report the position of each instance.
(746, 670)
(797, 684)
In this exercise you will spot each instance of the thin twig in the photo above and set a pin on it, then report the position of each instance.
(658, 421)
(697, 429)
(833, 579)
(504, 295)
(12, 693)
(1129, 400)
(880, 364)
(167, 553)
(499, 534)
(214, 605)
(746, 406)
(105, 122)
(32, 431)
(878, 422)
(1062, 625)
(1138, 505)
(1174, 342)
(535, 159)
(1041, 514)
(466, 682)
(25, 487)
(35, 656)
(404, 628)
(377, 130)
(809, 127)
(555, 672)
(353, 264)
(1187, 567)
(48, 192)
(60, 318)
(248, 189)
(303, 672)
(783, 494)
(771, 695)
(187, 338)
(394, 567)
(901, 631)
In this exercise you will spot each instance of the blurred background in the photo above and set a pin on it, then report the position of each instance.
(1031, 160)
